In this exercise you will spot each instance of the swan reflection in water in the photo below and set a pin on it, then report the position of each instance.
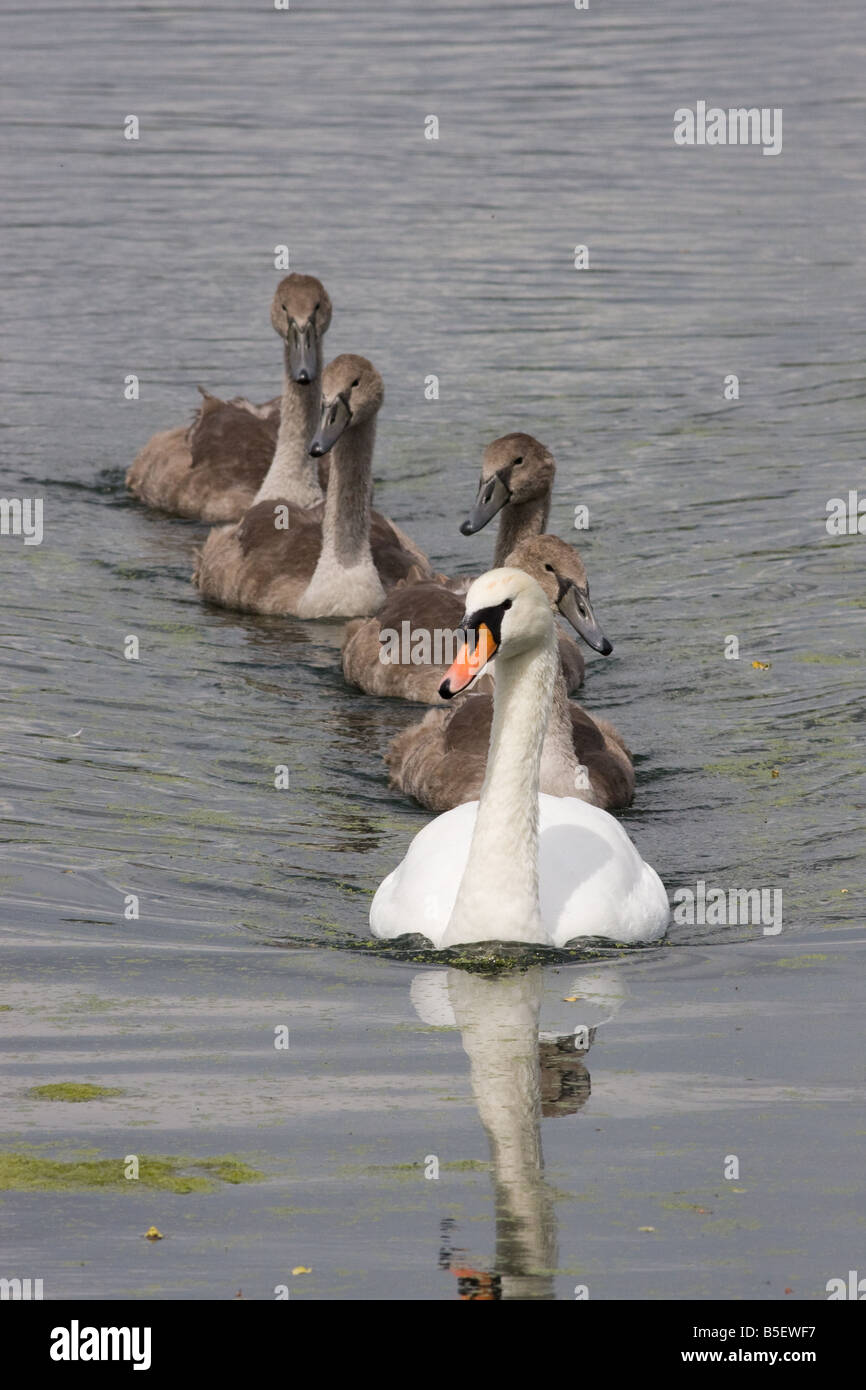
(519, 1075)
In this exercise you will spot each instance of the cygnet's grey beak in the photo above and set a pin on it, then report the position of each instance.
(335, 418)
(574, 605)
(303, 345)
(493, 493)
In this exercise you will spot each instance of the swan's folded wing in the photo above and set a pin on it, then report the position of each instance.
(604, 890)
(419, 896)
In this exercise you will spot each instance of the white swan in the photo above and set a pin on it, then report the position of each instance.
(516, 865)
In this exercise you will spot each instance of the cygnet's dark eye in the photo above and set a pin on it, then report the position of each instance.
(506, 604)
(515, 462)
(549, 567)
(357, 381)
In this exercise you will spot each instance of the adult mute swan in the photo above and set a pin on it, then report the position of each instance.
(306, 561)
(517, 865)
(214, 470)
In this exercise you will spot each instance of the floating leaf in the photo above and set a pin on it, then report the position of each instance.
(302, 1269)
(153, 1234)
(761, 665)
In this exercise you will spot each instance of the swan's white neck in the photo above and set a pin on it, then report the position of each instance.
(498, 894)
(517, 522)
(346, 582)
(292, 475)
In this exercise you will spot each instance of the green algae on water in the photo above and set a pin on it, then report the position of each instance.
(72, 1091)
(457, 1165)
(25, 1173)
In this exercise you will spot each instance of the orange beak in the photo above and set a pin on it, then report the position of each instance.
(472, 658)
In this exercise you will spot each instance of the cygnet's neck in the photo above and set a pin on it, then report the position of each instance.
(517, 522)
(561, 774)
(498, 894)
(346, 523)
(345, 581)
(292, 475)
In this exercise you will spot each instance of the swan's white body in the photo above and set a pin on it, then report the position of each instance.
(517, 865)
(591, 880)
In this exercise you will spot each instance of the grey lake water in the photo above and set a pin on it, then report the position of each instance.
(613, 1174)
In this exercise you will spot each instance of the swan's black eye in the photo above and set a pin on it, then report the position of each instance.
(506, 604)
(515, 462)
(357, 381)
(549, 567)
